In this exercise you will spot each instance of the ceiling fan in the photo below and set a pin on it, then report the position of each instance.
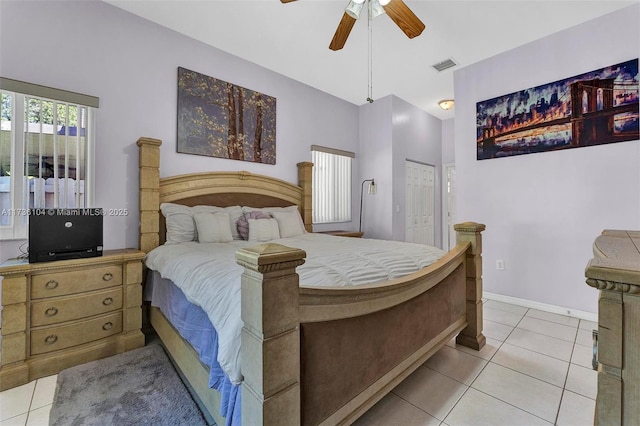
(397, 10)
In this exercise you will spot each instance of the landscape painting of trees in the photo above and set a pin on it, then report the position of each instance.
(595, 108)
(220, 119)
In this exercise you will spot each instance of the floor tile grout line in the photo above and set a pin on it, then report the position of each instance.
(505, 341)
(529, 309)
(457, 402)
(423, 410)
(536, 378)
(559, 406)
(530, 316)
(26, 421)
(514, 406)
(540, 353)
(474, 379)
(533, 377)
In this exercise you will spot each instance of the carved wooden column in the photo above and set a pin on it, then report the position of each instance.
(472, 335)
(149, 180)
(270, 355)
(615, 271)
(305, 178)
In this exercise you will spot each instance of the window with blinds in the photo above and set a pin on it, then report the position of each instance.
(46, 154)
(332, 184)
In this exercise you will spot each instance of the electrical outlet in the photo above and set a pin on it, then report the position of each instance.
(500, 264)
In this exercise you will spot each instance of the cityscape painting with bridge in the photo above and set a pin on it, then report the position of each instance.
(595, 108)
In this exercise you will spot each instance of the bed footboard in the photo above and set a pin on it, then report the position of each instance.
(470, 232)
(270, 355)
(325, 356)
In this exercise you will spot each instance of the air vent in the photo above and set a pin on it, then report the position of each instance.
(447, 63)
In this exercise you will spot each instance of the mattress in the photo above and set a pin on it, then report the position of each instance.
(194, 326)
(209, 276)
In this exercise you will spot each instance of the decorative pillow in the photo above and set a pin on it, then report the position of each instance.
(213, 227)
(288, 223)
(243, 222)
(263, 230)
(235, 212)
(179, 221)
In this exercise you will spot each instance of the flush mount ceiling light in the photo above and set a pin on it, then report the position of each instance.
(446, 104)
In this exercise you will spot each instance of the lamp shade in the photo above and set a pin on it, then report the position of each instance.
(373, 188)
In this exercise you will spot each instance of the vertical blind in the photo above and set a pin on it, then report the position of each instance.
(331, 185)
(46, 151)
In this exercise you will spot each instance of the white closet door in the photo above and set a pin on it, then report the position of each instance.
(420, 194)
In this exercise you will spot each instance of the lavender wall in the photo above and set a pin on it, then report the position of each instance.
(392, 131)
(417, 136)
(543, 211)
(448, 141)
(131, 65)
(376, 152)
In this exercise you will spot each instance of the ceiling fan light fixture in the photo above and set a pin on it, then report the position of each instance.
(446, 104)
(354, 8)
(384, 2)
(376, 8)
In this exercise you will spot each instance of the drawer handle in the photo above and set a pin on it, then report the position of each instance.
(51, 312)
(51, 339)
(107, 301)
(107, 277)
(51, 284)
(107, 326)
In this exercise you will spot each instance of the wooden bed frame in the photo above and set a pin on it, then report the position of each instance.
(315, 355)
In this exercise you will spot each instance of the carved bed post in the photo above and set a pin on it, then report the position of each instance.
(149, 202)
(615, 271)
(472, 335)
(305, 179)
(270, 354)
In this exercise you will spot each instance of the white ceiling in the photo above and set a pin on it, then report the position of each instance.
(292, 39)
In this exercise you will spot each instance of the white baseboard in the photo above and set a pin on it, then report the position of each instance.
(589, 316)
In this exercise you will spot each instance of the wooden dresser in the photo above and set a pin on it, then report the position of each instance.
(615, 271)
(59, 314)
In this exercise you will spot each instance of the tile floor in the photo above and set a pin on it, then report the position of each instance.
(534, 370)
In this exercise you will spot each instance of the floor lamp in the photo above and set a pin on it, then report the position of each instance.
(372, 190)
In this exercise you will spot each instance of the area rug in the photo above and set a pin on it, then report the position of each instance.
(139, 387)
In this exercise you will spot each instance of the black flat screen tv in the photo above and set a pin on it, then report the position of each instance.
(58, 234)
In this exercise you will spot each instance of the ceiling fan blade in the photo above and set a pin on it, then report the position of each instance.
(286, 1)
(342, 32)
(408, 22)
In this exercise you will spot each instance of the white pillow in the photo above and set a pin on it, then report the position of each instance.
(179, 221)
(181, 226)
(263, 230)
(213, 227)
(272, 210)
(288, 223)
(234, 214)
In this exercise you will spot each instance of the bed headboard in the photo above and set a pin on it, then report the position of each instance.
(211, 188)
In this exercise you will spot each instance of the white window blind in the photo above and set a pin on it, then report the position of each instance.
(331, 184)
(46, 155)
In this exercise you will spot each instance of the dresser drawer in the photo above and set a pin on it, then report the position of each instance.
(51, 339)
(75, 281)
(53, 311)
